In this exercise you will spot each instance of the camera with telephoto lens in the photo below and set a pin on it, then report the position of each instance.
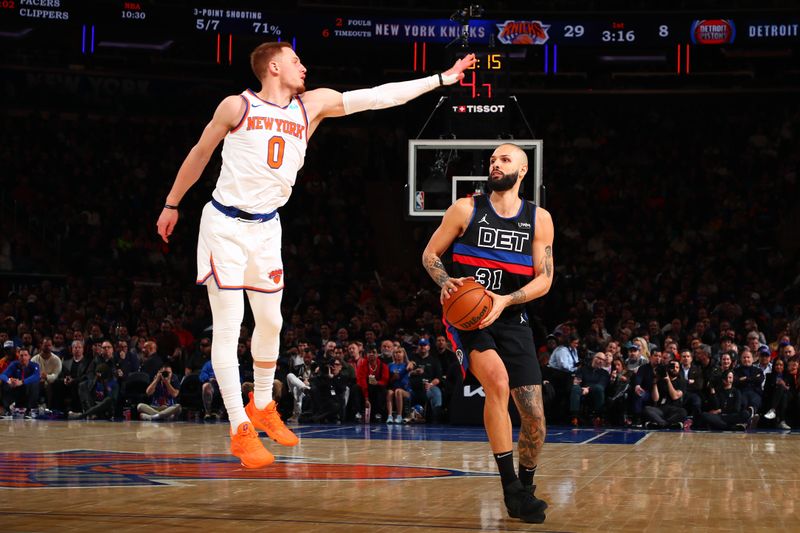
(164, 374)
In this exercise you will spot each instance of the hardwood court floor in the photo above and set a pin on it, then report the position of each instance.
(132, 476)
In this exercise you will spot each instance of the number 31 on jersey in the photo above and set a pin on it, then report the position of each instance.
(491, 279)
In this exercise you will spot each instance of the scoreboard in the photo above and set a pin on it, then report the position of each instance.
(711, 28)
(510, 48)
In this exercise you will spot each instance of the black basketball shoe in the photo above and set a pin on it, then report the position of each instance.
(521, 503)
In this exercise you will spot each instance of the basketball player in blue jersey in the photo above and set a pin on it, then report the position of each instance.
(265, 135)
(505, 243)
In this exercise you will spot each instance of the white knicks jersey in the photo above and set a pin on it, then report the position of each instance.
(262, 155)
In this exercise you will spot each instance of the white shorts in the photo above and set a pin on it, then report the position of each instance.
(239, 254)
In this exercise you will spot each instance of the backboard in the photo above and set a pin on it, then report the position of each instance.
(442, 170)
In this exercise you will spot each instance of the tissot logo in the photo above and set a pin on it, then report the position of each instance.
(479, 108)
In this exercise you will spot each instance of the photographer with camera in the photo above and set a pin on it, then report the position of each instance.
(328, 386)
(162, 392)
(669, 389)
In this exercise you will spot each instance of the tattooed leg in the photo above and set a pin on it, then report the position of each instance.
(528, 399)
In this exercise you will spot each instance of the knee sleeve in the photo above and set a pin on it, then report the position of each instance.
(266, 335)
(227, 310)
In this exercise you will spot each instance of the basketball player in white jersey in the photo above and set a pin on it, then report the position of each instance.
(265, 134)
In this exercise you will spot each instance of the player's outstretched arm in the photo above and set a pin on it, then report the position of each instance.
(542, 253)
(228, 114)
(325, 103)
(453, 224)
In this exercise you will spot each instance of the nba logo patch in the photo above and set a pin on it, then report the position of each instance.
(419, 201)
(276, 276)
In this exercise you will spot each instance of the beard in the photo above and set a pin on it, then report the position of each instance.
(502, 184)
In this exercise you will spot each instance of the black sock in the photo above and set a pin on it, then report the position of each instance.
(505, 463)
(526, 474)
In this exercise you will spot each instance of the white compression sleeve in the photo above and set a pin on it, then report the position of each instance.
(392, 94)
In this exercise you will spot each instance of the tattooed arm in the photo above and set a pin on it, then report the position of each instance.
(544, 268)
(542, 254)
(454, 222)
(528, 399)
(433, 264)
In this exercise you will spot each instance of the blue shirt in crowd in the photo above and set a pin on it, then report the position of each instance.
(402, 379)
(564, 358)
(207, 372)
(29, 374)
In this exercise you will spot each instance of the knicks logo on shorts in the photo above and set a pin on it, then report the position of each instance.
(276, 276)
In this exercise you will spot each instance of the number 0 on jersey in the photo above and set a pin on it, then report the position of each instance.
(275, 148)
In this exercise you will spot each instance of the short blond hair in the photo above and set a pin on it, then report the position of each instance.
(263, 54)
(644, 346)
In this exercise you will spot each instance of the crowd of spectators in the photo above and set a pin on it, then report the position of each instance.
(675, 235)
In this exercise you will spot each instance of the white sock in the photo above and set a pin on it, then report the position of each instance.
(231, 392)
(263, 378)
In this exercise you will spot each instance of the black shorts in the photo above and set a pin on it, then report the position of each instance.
(512, 341)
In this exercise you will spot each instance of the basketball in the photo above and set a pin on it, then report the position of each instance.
(467, 306)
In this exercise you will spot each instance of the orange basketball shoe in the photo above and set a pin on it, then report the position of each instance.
(269, 420)
(246, 445)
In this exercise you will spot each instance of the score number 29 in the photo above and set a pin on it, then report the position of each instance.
(573, 30)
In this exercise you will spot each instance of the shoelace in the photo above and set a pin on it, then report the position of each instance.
(273, 420)
(251, 439)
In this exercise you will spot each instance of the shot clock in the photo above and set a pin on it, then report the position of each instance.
(475, 79)
(487, 79)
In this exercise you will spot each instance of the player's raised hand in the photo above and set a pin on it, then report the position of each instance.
(166, 223)
(456, 72)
